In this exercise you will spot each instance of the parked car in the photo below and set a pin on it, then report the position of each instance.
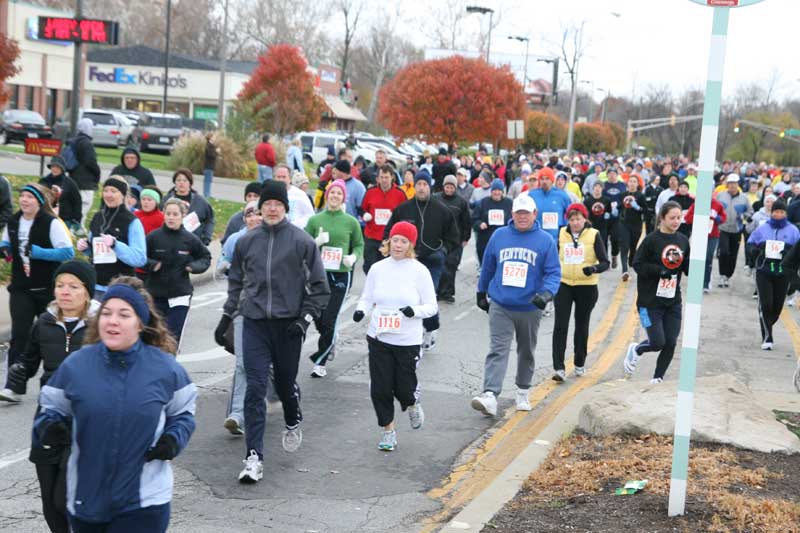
(198, 125)
(21, 124)
(106, 130)
(126, 127)
(157, 132)
(315, 144)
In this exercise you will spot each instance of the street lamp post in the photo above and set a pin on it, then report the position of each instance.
(527, 46)
(222, 68)
(483, 11)
(75, 104)
(166, 59)
(553, 93)
(591, 99)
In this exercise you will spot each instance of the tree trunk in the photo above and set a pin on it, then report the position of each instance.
(378, 82)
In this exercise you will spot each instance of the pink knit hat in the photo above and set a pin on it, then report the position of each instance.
(341, 185)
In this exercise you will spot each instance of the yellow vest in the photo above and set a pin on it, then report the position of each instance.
(573, 274)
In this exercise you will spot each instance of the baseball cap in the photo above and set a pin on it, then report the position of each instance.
(523, 202)
(732, 178)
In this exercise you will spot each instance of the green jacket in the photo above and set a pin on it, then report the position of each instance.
(344, 234)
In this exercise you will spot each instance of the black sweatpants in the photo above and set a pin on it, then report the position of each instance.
(53, 485)
(628, 236)
(728, 252)
(771, 295)
(24, 307)
(339, 282)
(662, 334)
(372, 253)
(175, 317)
(153, 519)
(447, 283)
(392, 374)
(613, 235)
(649, 222)
(585, 298)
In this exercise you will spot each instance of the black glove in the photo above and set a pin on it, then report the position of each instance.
(482, 301)
(165, 449)
(297, 328)
(358, 316)
(540, 299)
(17, 376)
(5, 252)
(589, 270)
(56, 435)
(222, 327)
(408, 311)
(665, 273)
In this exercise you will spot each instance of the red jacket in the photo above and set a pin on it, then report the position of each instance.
(715, 222)
(150, 221)
(376, 199)
(265, 154)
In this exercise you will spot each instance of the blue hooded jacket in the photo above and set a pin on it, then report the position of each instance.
(553, 201)
(531, 250)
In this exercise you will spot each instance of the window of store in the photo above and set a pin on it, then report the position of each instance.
(52, 99)
(107, 102)
(29, 98)
(145, 106)
(180, 108)
(13, 97)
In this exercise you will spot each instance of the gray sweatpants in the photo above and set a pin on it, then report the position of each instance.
(503, 326)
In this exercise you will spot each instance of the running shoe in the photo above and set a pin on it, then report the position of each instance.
(706, 290)
(790, 302)
(656, 381)
(523, 403)
(723, 281)
(548, 309)
(8, 395)
(755, 294)
(319, 372)
(625, 276)
(766, 345)
(748, 271)
(388, 442)
(429, 340)
(797, 377)
(631, 359)
(560, 376)
(727, 281)
(416, 416)
(579, 371)
(486, 403)
(233, 425)
(614, 262)
(253, 469)
(292, 438)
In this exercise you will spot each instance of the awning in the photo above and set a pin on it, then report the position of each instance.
(341, 110)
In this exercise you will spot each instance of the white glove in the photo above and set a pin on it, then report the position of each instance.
(349, 260)
(322, 237)
(714, 213)
(367, 217)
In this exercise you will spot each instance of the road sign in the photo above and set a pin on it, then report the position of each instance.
(43, 147)
(516, 129)
(792, 132)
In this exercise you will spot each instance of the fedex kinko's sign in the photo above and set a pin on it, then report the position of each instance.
(126, 76)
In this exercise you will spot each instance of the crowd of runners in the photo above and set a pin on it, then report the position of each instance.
(100, 303)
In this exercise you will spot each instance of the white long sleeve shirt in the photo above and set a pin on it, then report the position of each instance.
(300, 208)
(392, 285)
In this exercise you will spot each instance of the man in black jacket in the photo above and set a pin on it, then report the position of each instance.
(438, 236)
(66, 193)
(130, 167)
(87, 173)
(460, 209)
(441, 168)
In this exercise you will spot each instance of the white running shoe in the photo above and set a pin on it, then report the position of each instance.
(233, 425)
(8, 395)
(579, 371)
(766, 345)
(523, 403)
(319, 372)
(790, 302)
(388, 442)
(292, 438)
(416, 416)
(429, 340)
(723, 281)
(253, 469)
(656, 381)
(706, 290)
(486, 403)
(560, 376)
(631, 359)
(548, 309)
(748, 271)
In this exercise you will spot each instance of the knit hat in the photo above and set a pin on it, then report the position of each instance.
(463, 171)
(451, 180)
(577, 207)
(407, 230)
(525, 170)
(497, 185)
(337, 183)
(442, 151)
(150, 193)
(85, 126)
(547, 172)
(57, 161)
(132, 296)
(35, 192)
(250, 207)
(252, 187)
(118, 183)
(779, 205)
(343, 165)
(423, 175)
(81, 270)
(274, 190)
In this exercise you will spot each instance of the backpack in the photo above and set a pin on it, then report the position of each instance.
(69, 152)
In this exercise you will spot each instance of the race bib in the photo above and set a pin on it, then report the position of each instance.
(331, 257)
(180, 301)
(382, 216)
(496, 217)
(389, 322)
(550, 220)
(667, 287)
(573, 255)
(102, 254)
(515, 274)
(191, 222)
(774, 249)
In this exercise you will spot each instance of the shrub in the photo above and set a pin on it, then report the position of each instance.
(231, 160)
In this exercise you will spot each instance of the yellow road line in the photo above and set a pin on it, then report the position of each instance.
(793, 329)
(512, 444)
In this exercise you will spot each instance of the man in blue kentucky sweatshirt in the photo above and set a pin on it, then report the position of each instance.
(520, 274)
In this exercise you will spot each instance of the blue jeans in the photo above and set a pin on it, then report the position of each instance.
(208, 177)
(711, 249)
(264, 173)
(154, 519)
(435, 265)
(175, 317)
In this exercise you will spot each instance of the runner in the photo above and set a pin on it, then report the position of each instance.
(277, 282)
(150, 215)
(398, 293)
(338, 235)
(408, 183)
(737, 207)
(66, 193)
(651, 193)
(519, 276)
(660, 262)
(300, 208)
(463, 187)
(774, 240)
(599, 208)
(582, 255)
(200, 217)
(252, 192)
(551, 202)
(717, 215)
(172, 254)
(460, 209)
(379, 203)
(759, 218)
(685, 200)
(490, 214)
(131, 169)
(614, 189)
(145, 420)
(630, 224)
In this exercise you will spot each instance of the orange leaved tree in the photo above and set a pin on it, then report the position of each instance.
(9, 52)
(544, 130)
(281, 92)
(451, 100)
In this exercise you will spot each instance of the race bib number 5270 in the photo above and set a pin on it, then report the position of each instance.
(515, 273)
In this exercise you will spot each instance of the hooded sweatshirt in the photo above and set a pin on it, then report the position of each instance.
(137, 175)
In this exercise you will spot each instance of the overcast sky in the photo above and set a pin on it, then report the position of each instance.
(654, 41)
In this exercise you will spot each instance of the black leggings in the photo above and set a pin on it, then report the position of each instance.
(392, 374)
(613, 235)
(53, 484)
(662, 334)
(728, 252)
(584, 297)
(628, 241)
(340, 283)
(24, 307)
(771, 295)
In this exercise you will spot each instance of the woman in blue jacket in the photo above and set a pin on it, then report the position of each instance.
(131, 409)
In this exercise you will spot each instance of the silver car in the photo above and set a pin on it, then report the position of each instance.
(106, 130)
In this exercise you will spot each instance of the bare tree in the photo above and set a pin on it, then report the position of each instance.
(443, 24)
(351, 10)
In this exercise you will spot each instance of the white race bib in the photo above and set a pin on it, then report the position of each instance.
(774, 249)
(382, 216)
(191, 222)
(389, 322)
(574, 255)
(496, 217)
(331, 257)
(180, 301)
(515, 274)
(550, 220)
(102, 254)
(667, 287)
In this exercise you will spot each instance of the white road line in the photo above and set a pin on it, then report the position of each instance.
(13, 458)
(462, 315)
(214, 353)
